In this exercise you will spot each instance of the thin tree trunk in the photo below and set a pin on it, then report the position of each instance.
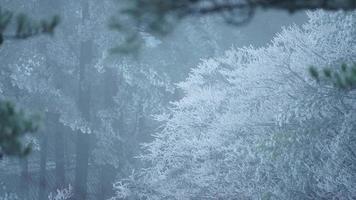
(107, 171)
(106, 180)
(24, 178)
(83, 139)
(43, 160)
(81, 170)
(59, 156)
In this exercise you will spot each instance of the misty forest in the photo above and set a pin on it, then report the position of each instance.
(177, 99)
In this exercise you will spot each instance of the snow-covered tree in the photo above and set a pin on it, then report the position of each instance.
(254, 125)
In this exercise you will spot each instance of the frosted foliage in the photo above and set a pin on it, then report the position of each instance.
(147, 86)
(253, 124)
(122, 190)
(32, 74)
(141, 93)
(144, 77)
(62, 194)
(74, 119)
(28, 69)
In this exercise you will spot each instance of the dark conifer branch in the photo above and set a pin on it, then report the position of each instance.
(25, 27)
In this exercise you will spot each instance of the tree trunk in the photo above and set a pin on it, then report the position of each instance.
(106, 180)
(107, 171)
(59, 156)
(83, 139)
(24, 178)
(81, 170)
(43, 160)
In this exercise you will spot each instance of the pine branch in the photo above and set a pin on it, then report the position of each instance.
(25, 27)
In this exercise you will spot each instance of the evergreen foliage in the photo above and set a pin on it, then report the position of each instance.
(25, 26)
(343, 78)
(14, 125)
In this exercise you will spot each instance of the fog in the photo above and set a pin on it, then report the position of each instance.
(209, 111)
